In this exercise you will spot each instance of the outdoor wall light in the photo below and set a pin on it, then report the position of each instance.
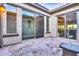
(2, 9)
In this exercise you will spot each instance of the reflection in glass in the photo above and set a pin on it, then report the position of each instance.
(27, 24)
(71, 25)
(39, 25)
(11, 18)
(61, 27)
(70, 28)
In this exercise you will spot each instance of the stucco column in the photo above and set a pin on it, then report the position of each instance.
(3, 26)
(77, 25)
(4, 22)
(53, 26)
(19, 22)
(45, 26)
(1, 30)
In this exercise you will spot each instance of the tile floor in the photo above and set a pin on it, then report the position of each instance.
(5, 50)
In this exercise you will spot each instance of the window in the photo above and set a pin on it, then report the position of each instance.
(11, 18)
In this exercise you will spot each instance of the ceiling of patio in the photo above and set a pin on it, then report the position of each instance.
(51, 6)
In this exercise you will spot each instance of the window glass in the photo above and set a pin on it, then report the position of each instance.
(71, 25)
(11, 18)
(27, 24)
(39, 25)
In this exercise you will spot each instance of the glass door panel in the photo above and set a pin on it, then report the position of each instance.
(27, 25)
(61, 27)
(39, 25)
(71, 26)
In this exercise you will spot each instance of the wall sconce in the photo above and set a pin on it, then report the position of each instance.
(2, 9)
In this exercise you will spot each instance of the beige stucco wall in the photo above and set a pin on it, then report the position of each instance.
(53, 20)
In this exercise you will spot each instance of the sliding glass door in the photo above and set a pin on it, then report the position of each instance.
(39, 25)
(67, 25)
(71, 25)
(27, 24)
(61, 26)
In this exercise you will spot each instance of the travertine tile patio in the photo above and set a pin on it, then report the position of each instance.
(34, 45)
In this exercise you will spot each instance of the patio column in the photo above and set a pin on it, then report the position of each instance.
(4, 22)
(77, 25)
(53, 26)
(19, 22)
(45, 26)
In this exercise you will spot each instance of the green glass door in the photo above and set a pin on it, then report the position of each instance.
(28, 25)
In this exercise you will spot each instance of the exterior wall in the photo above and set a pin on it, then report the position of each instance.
(13, 39)
(53, 20)
(17, 39)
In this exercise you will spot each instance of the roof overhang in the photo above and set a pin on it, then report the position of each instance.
(69, 5)
(36, 5)
(51, 11)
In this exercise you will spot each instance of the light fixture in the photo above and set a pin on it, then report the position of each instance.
(2, 9)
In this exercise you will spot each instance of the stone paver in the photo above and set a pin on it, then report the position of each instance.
(36, 47)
